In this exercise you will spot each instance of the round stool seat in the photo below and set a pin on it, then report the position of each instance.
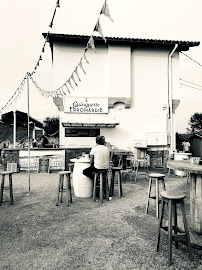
(172, 195)
(156, 175)
(6, 172)
(64, 172)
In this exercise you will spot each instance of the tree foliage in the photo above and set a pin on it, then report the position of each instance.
(51, 126)
(195, 123)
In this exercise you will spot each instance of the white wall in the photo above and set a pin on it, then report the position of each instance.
(141, 74)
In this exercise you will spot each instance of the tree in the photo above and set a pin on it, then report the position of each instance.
(51, 126)
(195, 123)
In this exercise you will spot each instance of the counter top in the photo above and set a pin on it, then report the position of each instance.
(80, 160)
(185, 165)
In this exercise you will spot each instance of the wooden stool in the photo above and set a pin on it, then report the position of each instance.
(155, 177)
(71, 166)
(61, 188)
(99, 175)
(173, 198)
(9, 173)
(114, 171)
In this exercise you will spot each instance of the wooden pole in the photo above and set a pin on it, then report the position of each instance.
(28, 131)
(14, 128)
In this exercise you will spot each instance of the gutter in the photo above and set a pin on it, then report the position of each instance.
(170, 112)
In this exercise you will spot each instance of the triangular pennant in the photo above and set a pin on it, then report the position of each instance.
(51, 23)
(72, 77)
(77, 73)
(86, 59)
(69, 82)
(99, 30)
(63, 91)
(40, 58)
(81, 66)
(105, 11)
(91, 43)
(58, 3)
(67, 88)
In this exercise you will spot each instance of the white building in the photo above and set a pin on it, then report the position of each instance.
(131, 83)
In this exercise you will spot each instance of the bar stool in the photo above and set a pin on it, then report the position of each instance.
(100, 174)
(173, 232)
(9, 173)
(61, 187)
(155, 177)
(118, 171)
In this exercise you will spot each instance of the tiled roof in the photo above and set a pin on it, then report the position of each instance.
(182, 45)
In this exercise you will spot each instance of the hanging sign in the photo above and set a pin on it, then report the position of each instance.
(86, 104)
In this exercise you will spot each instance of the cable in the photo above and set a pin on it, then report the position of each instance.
(191, 59)
(190, 86)
(191, 83)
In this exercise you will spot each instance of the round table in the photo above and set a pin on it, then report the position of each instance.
(82, 185)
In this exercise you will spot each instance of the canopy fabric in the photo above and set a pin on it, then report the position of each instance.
(89, 125)
(21, 119)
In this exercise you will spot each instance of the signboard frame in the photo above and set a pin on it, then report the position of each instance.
(87, 105)
(47, 165)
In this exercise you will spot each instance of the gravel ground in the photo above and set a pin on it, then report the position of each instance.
(35, 234)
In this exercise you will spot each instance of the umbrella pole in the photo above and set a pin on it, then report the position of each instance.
(28, 131)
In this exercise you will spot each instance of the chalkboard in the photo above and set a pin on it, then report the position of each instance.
(44, 165)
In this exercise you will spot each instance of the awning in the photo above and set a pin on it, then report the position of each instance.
(90, 125)
(21, 119)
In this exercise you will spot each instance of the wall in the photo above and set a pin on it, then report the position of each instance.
(139, 74)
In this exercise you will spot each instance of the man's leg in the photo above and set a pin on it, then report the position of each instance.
(89, 172)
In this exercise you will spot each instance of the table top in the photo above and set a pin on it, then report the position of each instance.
(184, 165)
(80, 160)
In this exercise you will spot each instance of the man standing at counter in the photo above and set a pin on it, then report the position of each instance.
(99, 158)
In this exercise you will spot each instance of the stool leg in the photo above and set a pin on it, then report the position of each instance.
(2, 189)
(58, 192)
(67, 189)
(170, 232)
(94, 187)
(160, 223)
(149, 192)
(112, 184)
(107, 187)
(11, 188)
(186, 230)
(61, 187)
(157, 198)
(101, 188)
(175, 221)
(119, 185)
(163, 184)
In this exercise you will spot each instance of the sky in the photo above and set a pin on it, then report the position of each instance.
(23, 21)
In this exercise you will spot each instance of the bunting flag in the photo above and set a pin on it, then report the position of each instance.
(69, 82)
(91, 43)
(99, 30)
(105, 11)
(67, 88)
(72, 77)
(86, 59)
(58, 4)
(64, 89)
(77, 73)
(51, 23)
(81, 66)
